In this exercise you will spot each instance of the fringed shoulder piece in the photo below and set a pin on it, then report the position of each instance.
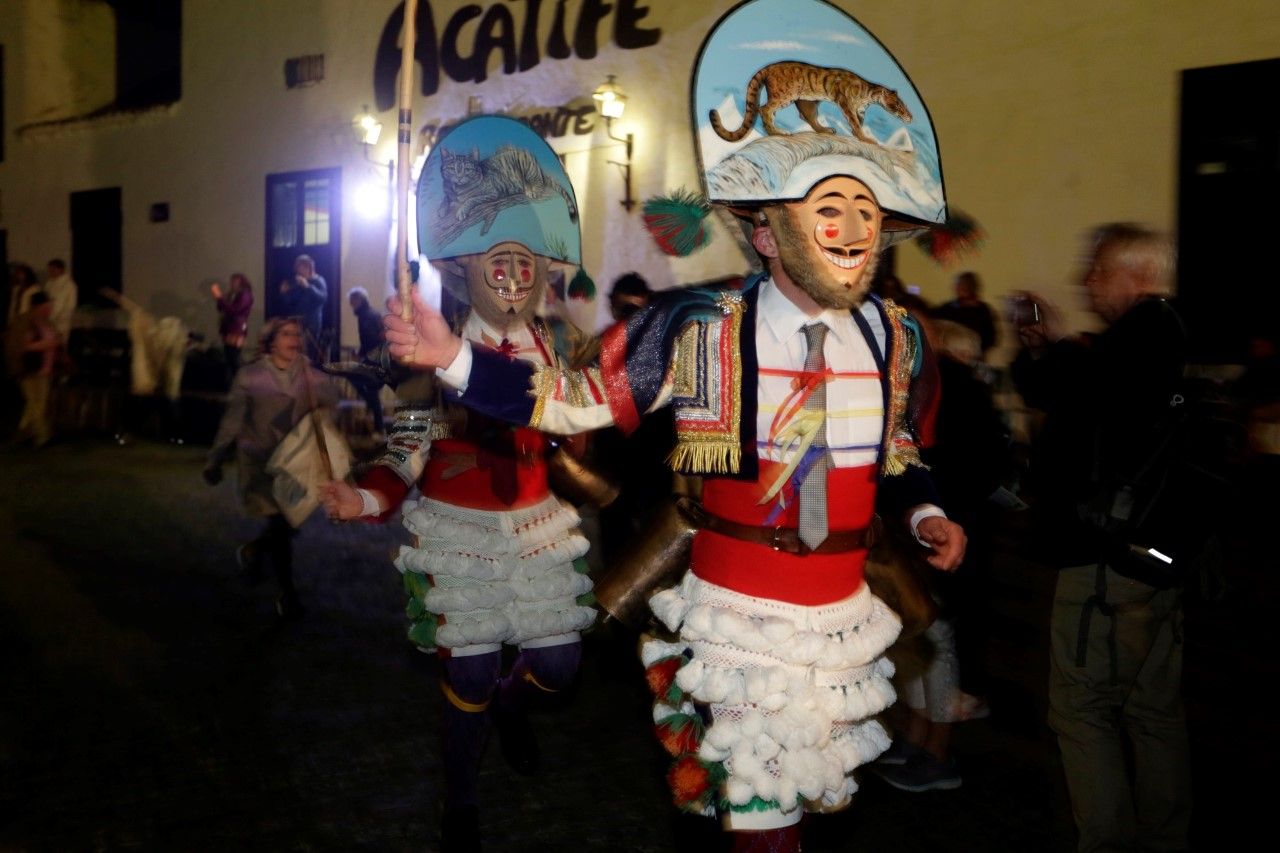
(707, 393)
(909, 406)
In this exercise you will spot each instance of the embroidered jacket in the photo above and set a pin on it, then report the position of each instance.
(688, 349)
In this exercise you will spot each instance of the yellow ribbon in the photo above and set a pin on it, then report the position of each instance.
(795, 438)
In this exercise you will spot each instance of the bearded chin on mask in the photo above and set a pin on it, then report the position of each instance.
(805, 266)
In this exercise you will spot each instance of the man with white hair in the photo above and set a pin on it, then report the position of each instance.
(1111, 520)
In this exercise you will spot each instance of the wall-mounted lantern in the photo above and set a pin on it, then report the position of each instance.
(611, 102)
(366, 127)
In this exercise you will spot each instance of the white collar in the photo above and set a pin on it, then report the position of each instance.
(785, 319)
(476, 326)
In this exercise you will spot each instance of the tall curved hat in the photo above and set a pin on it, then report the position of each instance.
(492, 179)
(787, 93)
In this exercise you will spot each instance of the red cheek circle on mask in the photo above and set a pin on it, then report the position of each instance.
(525, 275)
(829, 230)
(499, 275)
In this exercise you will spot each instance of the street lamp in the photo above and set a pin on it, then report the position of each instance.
(611, 102)
(366, 127)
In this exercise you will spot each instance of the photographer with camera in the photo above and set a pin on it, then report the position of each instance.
(1100, 468)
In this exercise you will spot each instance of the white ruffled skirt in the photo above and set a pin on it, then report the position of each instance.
(791, 692)
(497, 577)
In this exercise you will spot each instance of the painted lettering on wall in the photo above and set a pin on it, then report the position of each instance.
(511, 29)
(577, 119)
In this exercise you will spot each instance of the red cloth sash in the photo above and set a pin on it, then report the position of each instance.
(508, 476)
(760, 571)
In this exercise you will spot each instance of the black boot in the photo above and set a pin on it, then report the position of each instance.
(516, 737)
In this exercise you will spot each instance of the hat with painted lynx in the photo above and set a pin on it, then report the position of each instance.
(492, 180)
(788, 93)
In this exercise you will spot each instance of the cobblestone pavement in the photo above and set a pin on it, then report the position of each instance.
(150, 701)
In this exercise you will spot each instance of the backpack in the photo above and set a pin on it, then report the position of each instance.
(1159, 522)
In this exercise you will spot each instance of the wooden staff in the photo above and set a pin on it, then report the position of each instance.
(404, 283)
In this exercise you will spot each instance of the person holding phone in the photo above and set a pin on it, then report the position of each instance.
(234, 307)
(1115, 644)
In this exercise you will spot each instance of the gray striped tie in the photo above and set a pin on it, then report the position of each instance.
(813, 490)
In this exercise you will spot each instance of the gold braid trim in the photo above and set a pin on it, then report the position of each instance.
(899, 450)
(529, 677)
(462, 704)
(545, 380)
(709, 456)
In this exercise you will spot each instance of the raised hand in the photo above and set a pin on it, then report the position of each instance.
(426, 342)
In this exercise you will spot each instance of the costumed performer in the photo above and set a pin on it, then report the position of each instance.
(497, 558)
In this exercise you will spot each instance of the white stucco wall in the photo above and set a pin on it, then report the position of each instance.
(1054, 118)
(1048, 121)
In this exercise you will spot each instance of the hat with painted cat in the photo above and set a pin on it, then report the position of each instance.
(787, 93)
(490, 180)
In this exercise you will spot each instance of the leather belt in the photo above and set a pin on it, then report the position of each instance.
(785, 539)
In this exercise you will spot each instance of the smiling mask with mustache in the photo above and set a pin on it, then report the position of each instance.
(829, 243)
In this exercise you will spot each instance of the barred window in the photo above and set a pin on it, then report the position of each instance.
(304, 70)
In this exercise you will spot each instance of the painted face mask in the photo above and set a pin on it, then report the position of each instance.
(505, 284)
(829, 243)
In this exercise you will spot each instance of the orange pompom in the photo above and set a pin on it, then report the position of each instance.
(680, 734)
(661, 674)
(690, 782)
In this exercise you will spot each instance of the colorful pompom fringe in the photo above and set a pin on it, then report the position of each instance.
(960, 236)
(677, 222)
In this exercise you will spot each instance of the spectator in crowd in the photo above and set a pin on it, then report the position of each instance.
(22, 286)
(368, 321)
(269, 397)
(369, 325)
(30, 349)
(1116, 637)
(969, 310)
(630, 293)
(63, 294)
(234, 308)
(304, 296)
(157, 359)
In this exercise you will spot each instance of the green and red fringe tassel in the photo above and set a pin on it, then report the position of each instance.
(695, 784)
(581, 286)
(422, 623)
(661, 676)
(958, 237)
(680, 734)
(678, 222)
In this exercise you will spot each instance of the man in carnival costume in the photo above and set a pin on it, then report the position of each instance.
(800, 399)
(496, 557)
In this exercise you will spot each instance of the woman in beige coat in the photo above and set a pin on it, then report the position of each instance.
(269, 397)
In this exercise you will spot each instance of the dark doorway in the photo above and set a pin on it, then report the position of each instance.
(96, 256)
(1228, 183)
(304, 217)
